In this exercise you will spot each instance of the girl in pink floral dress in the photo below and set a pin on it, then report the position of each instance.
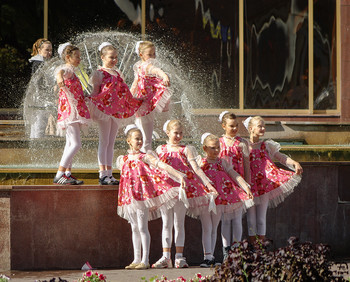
(270, 184)
(195, 196)
(151, 85)
(234, 149)
(234, 194)
(73, 113)
(144, 188)
(111, 104)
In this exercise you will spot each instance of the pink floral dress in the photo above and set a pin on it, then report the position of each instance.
(71, 103)
(231, 196)
(196, 192)
(233, 154)
(266, 177)
(142, 186)
(151, 89)
(114, 98)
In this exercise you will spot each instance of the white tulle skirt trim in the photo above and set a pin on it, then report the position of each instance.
(166, 200)
(229, 212)
(161, 106)
(278, 195)
(96, 114)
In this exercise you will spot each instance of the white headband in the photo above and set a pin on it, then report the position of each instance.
(61, 48)
(246, 122)
(166, 125)
(222, 115)
(137, 47)
(129, 127)
(205, 135)
(104, 44)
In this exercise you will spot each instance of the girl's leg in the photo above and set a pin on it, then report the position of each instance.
(261, 211)
(179, 226)
(226, 233)
(73, 144)
(136, 238)
(251, 221)
(237, 226)
(167, 239)
(103, 132)
(142, 218)
(146, 124)
(207, 226)
(215, 219)
(110, 148)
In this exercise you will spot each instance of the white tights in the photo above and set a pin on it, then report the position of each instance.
(256, 217)
(108, 130)
(174, 217)
(231, 230)
(146, 124)
(210, 222)
(141, 237)
(73, 144)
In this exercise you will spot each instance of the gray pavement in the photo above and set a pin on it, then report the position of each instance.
(113, 275)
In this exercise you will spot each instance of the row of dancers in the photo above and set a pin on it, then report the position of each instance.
(234, 176)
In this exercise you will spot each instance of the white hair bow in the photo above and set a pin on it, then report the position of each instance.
(222, 115)
(129, 127)
(205, 135)
(137, 47)
(166, 125)
(246, 122)
(61, 48)
(104, 44)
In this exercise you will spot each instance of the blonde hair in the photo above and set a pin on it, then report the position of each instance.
(210, 137)
(227, 116)
(172, 123)
(107, 48)
(253, 121)
(130, 132)
(68, 51)
(38, 45)
(145, 45)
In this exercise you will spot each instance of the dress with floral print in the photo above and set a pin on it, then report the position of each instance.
(228, 190)
(178, 160)
(265, 175)
(233, 153)
(73, 108)
(114, 98)
(151, 89)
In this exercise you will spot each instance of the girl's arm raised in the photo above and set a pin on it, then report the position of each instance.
(191, 155)
(151, 69)
(273, 149)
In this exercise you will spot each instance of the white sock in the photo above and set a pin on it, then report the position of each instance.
(208, 257)
(102, 173)
(178, 255)
(59, 174)
(166, 255)
(68, 173)
(109, 172)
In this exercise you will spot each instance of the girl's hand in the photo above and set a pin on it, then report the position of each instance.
(183, 183)
(212, 189)
(60, 81)
(250, 194)
(166, 80)
(298, 168)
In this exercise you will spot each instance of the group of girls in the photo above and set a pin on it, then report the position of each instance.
(111, 104)
(234, 176)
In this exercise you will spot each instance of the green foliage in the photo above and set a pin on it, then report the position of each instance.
(295, 262)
